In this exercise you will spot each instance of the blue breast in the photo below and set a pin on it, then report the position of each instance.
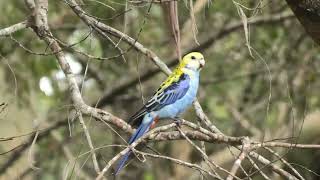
(173, 110)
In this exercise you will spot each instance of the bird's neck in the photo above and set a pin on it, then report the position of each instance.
(192, 73)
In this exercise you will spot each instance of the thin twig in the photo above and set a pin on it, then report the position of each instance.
(88, 137)
(178, 161)
(126, 150)
(286, 163)
(203, 154)
(241, 157)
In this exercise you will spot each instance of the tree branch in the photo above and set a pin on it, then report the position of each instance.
(14, 28)
(308, 14)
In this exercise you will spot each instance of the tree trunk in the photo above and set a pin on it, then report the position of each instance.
(308, 13)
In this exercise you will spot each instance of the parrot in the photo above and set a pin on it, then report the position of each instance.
(172, 98)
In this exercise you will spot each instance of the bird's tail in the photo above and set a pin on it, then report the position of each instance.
(142, 129)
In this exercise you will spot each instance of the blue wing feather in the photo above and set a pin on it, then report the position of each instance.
(168, 96)
(172, 93)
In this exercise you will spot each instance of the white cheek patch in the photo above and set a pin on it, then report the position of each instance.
(194, 64)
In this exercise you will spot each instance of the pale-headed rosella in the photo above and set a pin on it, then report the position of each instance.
(173, 97)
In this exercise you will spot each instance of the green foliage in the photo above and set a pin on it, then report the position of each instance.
(148, 176)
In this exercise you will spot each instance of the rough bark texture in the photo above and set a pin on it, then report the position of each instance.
(308, 13)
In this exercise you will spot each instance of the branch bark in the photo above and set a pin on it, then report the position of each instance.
(308, 13)
(14, 28)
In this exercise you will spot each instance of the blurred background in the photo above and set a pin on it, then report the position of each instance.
(261, 80)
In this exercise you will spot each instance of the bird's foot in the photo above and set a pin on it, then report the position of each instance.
(178, 121)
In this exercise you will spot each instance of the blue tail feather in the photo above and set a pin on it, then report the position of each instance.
(122, 162)
(142, 129)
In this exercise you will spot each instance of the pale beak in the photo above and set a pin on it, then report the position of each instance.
(202, 63)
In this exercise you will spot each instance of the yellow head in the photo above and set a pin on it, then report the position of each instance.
(194, 61)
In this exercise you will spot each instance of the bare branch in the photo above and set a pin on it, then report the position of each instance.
(93, 154)
(134, 144)
(242, 156)
(286, 163)
(92, 22)
(204, 155)
(14, 28)
(275, 168)
(178, 161)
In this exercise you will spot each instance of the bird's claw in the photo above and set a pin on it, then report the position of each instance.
(178, 122)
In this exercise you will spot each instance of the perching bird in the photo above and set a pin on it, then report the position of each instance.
(173, 97)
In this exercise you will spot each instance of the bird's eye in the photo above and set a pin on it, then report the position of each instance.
(192, 57)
